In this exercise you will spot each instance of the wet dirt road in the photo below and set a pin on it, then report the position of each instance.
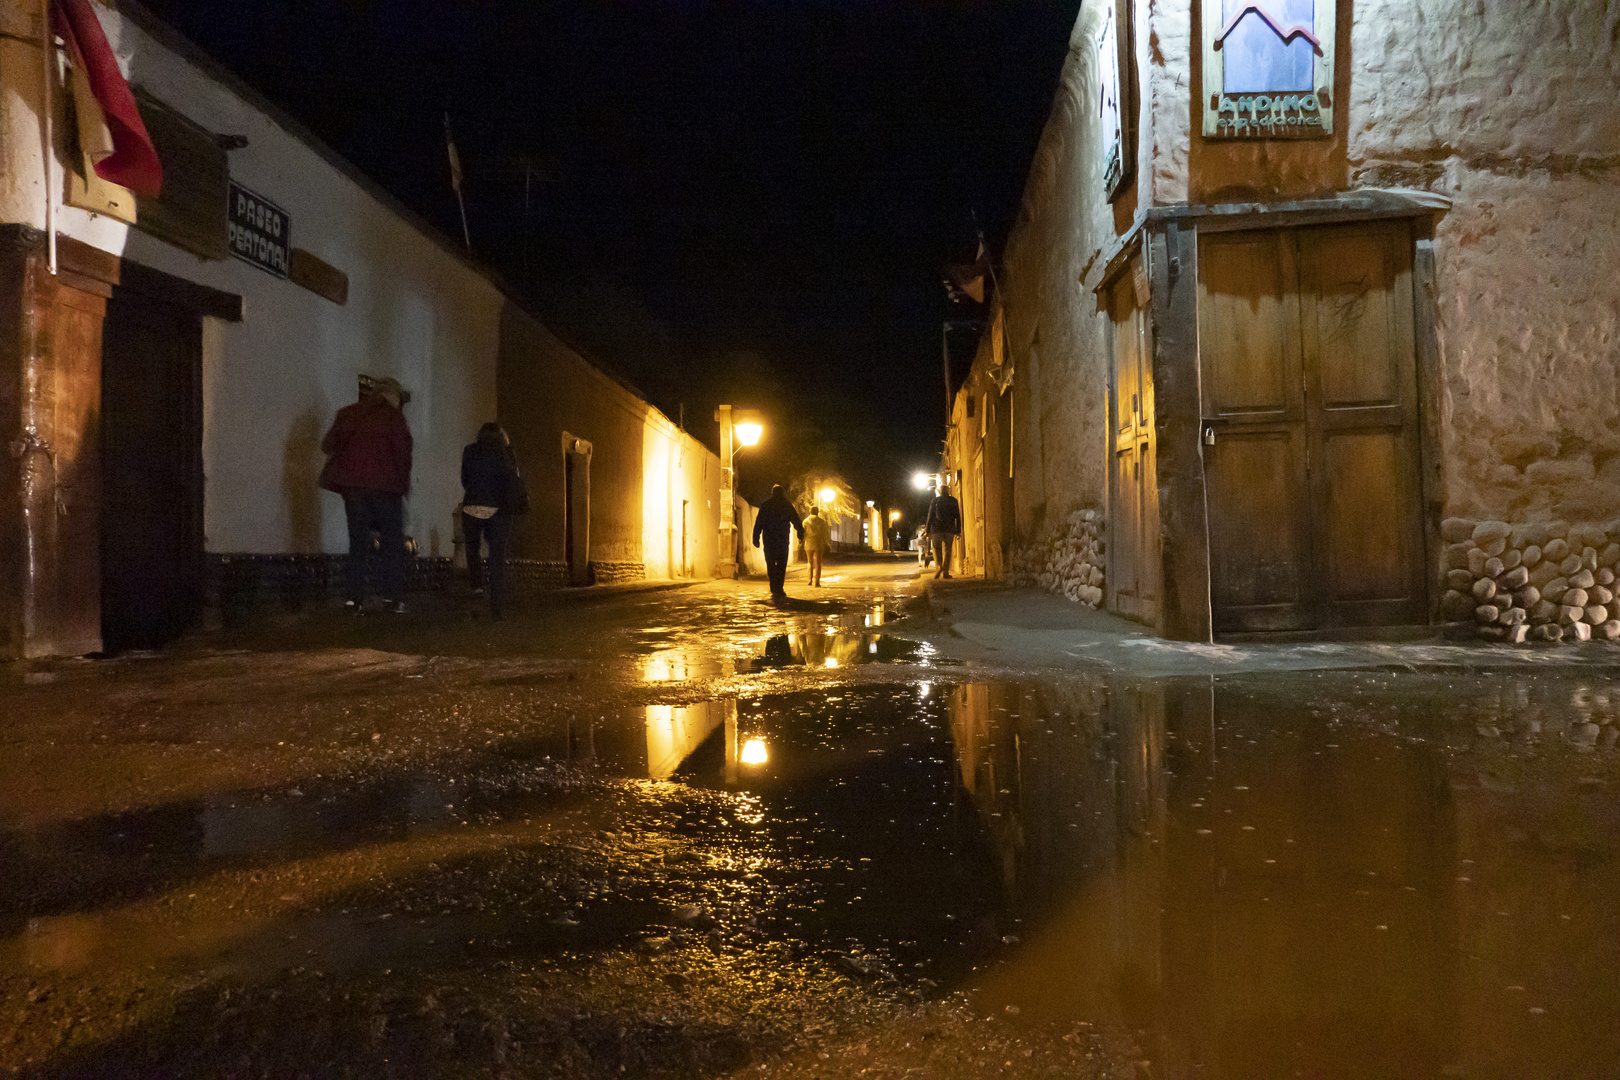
(688, 834)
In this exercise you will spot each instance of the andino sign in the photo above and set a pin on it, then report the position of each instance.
(260, 231)
(1268, 69)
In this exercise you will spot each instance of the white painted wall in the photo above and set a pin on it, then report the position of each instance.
(273, 381)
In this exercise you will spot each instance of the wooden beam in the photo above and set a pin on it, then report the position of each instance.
(1432, 475)
(319, 277)
(1178, 410)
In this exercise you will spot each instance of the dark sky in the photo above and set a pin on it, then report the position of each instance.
(747, 202)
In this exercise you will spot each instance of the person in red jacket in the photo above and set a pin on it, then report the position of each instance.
(369, 464)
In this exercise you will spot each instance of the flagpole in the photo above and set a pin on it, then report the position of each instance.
(455, 180)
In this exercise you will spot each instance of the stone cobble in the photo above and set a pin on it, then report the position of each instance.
(1526, 582)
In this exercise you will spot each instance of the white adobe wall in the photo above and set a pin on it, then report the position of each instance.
(1511, 108)
(273, 381)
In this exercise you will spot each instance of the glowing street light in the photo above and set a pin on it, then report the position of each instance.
(742, 428)
(923, 481)
(894, 516)
(827, 495)
(753, 752)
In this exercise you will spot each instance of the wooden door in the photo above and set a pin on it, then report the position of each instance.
(151, 474)
(1133, 510)
(1310, 427)
(1362, 413)
(70, 622)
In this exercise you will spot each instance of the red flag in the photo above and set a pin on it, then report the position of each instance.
(134, 161)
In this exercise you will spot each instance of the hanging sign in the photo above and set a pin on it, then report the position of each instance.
(260, 231)
(1113, 60)
(1268, 69)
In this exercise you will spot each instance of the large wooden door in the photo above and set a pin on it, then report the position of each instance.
(1311, 427)
(151, 475)
(1133, 513)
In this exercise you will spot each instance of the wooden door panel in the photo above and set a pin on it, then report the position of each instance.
(1247, 327)
(1350, 278)
(1257, 563)
(1365, 544)
(1125, 524)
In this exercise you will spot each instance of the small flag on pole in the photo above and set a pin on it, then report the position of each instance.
(455, 179)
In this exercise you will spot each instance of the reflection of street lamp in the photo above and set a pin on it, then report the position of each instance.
(753, 752)
(742, 429)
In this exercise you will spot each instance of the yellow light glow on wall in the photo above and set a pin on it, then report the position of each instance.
(753, 752)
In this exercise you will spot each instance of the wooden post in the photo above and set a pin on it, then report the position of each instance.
(1183, 517)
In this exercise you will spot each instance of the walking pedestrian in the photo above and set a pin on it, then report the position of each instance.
(777, 516)
(944, 526)
(493, 494)
(817, 541)
(369, 464)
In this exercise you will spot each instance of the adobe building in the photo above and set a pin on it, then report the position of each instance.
(168, 366)
(1307, 322)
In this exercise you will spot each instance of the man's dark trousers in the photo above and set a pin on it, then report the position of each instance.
(384, 512)
(776, 560)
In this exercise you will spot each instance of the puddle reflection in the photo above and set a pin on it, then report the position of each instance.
(1271, 878)
(839, 649)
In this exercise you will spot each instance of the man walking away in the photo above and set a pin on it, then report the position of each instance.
(776, 517)
(817, 542)
(494, 493)
(944, 526)
(369, 464)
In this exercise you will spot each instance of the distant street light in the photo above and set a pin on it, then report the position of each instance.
(740, 429)
(894, 516)
(923, 481)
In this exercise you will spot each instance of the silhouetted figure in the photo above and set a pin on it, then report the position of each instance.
(777, 516)
(493, 495)
(944, 526)
(369, 464)
(817, 542)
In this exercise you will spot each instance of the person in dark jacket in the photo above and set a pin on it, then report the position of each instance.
(369, 464)
(490, 483)
(944, 526)
(776, 517)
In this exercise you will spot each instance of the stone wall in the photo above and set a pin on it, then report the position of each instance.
(1543, 582)
(1071, 564)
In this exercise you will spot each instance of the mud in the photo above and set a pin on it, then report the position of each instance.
(663, 836)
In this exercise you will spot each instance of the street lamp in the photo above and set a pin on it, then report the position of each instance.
(827, 495)
(923, 481)
(739, 428)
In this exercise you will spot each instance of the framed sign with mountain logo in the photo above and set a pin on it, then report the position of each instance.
(1268, 69)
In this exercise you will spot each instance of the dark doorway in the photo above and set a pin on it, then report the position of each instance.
(152, 474)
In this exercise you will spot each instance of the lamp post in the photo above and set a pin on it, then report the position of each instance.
(736, 431)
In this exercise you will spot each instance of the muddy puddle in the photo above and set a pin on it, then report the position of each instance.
(1320, 874)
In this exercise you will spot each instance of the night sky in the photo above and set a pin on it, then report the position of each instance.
(741, 202)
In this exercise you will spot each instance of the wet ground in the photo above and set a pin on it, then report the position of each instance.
(688, 834)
